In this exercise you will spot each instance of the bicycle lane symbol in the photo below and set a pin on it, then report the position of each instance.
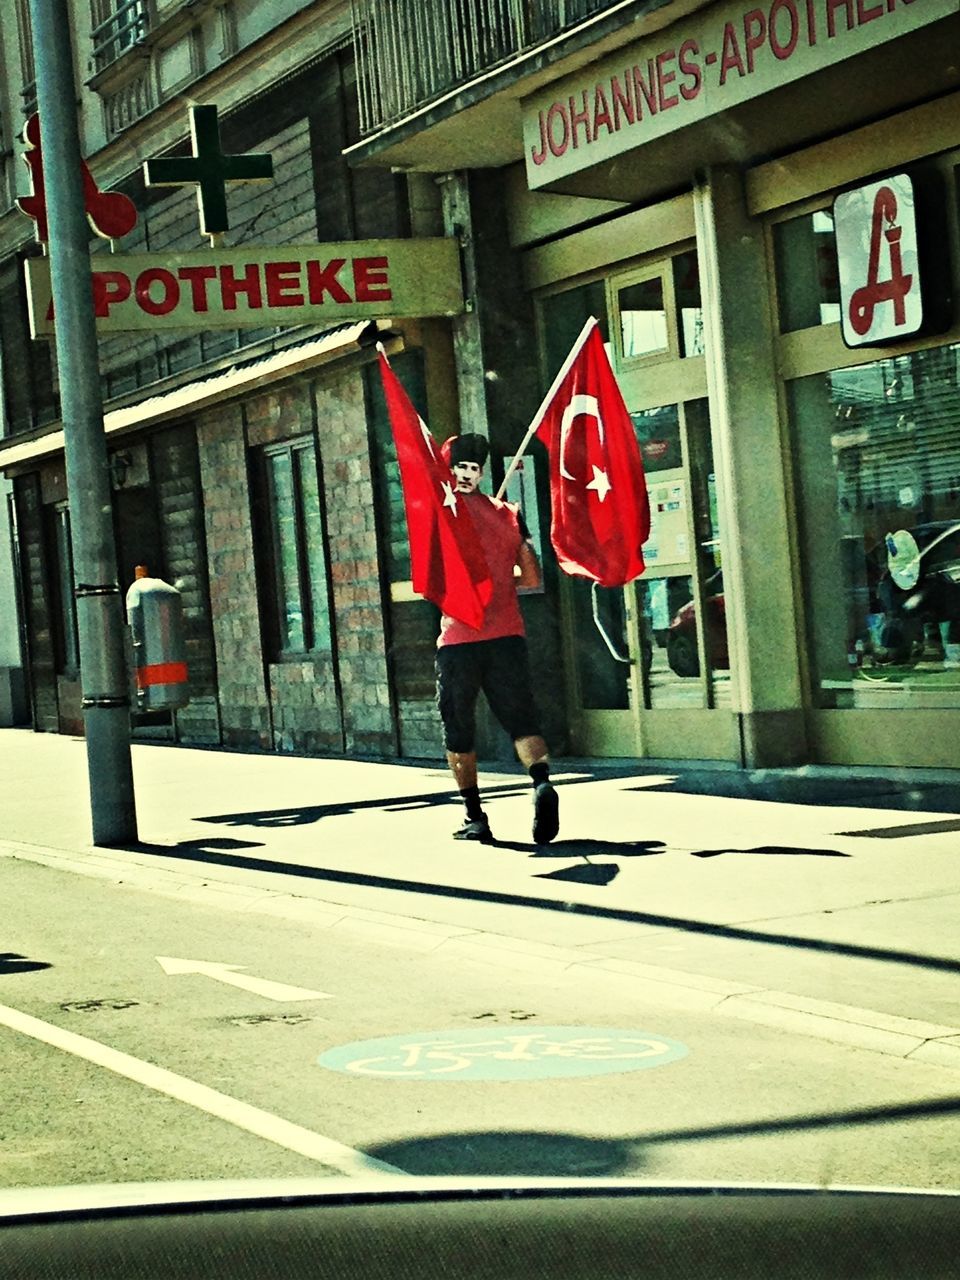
(492, 1053)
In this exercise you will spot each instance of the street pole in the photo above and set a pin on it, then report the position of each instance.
(103, 676)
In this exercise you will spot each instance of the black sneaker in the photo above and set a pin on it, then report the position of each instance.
(546, 813)
(475, 829)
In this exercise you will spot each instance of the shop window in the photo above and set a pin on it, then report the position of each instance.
(26, 367)
(680, 599)
(878, 453)
(686, 287)
(392, 517)
(566, 314)
(643, 319)
(295, 562)
(63, 600)
(808, 282)
(658, 311)
(658, 434)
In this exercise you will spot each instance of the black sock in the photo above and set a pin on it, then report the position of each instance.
(539, 772)
(471, 798)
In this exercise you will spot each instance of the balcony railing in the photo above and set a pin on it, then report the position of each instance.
(410, 52)
(123, 24)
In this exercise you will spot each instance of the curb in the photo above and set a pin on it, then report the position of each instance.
(907, 1038)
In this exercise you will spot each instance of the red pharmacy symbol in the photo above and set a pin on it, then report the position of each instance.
(864, 300)
(110, 213)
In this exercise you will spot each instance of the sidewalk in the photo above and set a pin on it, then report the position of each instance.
(821, 899)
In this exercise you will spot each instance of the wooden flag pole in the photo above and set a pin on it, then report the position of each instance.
(538, 416)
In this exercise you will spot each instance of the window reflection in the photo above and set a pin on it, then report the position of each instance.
(686, 285)
(643, 318)
(299, 562)
(808, 280)
(879, 454)
(658, 434)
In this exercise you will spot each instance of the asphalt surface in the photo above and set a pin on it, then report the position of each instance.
(815, 900)
(146, 1038)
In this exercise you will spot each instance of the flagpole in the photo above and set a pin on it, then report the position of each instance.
(538, 416)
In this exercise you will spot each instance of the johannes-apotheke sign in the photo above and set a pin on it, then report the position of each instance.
(704, 64)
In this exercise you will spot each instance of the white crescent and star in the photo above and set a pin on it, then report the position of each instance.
(449, 497)
(600, 483)
(588, 407)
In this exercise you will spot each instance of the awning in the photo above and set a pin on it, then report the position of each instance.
(208, 389)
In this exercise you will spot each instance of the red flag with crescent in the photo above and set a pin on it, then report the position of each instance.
(446, 559)
(598, 492)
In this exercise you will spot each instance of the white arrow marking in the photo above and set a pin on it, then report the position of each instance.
(227, 973)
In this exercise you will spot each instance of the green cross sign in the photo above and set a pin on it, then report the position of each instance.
(209, 168)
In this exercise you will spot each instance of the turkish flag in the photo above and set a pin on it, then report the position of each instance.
(447, 561)
(598, 492)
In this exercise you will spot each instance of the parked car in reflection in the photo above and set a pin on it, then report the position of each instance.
(683, 652)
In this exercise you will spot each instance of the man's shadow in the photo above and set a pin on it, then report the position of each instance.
(585, 872)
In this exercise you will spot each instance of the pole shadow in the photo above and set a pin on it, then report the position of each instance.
(907, 829)
(535, 1153)
(305, 815)
(780, 850)
(246, 862)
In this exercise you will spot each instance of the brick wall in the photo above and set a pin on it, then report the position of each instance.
(357, 600)
(318, 702)
(244, 703)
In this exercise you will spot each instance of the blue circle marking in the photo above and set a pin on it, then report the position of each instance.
(504, 1053)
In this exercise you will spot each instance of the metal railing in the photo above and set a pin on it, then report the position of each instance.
(410, 52)
(123, 24)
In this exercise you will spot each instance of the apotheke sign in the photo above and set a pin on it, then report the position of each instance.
(878, 263)
(289, 284)
(705, 64)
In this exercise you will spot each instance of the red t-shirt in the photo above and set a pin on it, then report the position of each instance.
(498, 531)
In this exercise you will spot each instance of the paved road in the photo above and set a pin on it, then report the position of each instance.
(115, 1069)
(830, 885)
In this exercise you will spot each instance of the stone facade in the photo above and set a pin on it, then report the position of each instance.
(358, 604)
(317, 702)
(244, 701)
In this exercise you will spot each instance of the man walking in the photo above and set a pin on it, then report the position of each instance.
(493, 657)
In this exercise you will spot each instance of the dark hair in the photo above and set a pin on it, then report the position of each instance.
(469, 448)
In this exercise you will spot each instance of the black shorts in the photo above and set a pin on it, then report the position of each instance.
(498, 667)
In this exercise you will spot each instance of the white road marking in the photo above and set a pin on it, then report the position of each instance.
(274, 1129)
(226, 973)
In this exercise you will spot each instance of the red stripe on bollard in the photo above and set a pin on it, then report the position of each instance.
(161, 673)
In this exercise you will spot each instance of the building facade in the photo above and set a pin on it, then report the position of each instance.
(251, 466)
(757, 204)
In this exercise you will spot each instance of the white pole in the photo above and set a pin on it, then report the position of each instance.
(538, 416)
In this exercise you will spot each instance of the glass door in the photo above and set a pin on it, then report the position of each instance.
(651, 661)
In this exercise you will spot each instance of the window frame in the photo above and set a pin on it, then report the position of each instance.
(66, 636)
(301, 451)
